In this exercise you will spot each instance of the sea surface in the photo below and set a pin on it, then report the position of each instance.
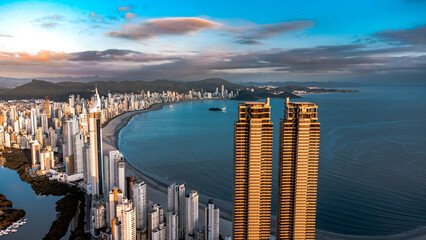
(372, 165)
(40, 210)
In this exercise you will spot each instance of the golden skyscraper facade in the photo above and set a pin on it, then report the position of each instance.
(252, 171)
(298, 171)
(47, 107)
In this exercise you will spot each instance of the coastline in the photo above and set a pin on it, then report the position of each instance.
(156, 191)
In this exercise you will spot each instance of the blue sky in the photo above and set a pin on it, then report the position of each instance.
(236, 40)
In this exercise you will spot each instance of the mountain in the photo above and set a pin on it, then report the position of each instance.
(310, 84)
(60, 91)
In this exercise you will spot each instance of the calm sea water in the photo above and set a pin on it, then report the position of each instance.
(372, 166)
(40, 211)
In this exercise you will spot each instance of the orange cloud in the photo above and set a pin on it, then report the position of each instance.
(163, 26)
(42, 56)
(129, 15)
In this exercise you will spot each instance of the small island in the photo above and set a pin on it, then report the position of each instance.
(8, 215)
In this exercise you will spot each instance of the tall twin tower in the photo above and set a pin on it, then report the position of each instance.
(297, 172)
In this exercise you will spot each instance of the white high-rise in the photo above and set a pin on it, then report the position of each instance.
(121, 176)
(128, 223)
(140, 203)
(177, 203)
(172, 226)
(114, 157)
(191, 212)
(156, 222)
(78, 153)
(211, 231)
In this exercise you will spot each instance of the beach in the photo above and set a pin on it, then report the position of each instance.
(156, 191)
(157, 180)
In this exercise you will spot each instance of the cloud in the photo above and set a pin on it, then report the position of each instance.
(6, 35)
(356, 61)
(404, 36)
(49, 22)
(250, 42)
(116, 55)
(163, 26)
(129, 15)
(49, 25)
(265, 31)
(122, 9)
(41, 56)
(251, 35)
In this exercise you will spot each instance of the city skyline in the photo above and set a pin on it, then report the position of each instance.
(212, 120)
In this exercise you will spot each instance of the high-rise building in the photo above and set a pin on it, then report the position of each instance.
(252, 171)
(96, 154)
(177, 204)
(191, 212)
(128, 224)
(114, 157)
(121, 175)
(35, 152)
(129, 186)
(211, 223)
(172, 226)
(140, 202)
(47, 107)
(110, 208)
(298, 171)
(156, 222)
(78, 153)
(47, 160)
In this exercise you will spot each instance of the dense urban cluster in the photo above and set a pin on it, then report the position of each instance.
(65, 139)
(66, 145)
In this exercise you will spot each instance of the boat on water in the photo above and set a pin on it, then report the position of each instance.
(218, 109)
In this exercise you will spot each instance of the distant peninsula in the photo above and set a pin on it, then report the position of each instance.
(39, 89)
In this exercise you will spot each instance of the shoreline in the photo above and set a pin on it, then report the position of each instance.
(157, 190)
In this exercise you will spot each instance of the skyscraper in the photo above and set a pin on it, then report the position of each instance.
(177, 203)
(211, 231)
(191, 212)
(140, 202)
(298, 171)
(47, 107)
(128, 225)
(172, 226)
(252, 171)
(95, 135)
(130, 181)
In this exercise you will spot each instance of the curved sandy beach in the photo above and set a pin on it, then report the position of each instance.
(157, 191)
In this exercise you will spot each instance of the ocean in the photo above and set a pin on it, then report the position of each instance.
(372, 164)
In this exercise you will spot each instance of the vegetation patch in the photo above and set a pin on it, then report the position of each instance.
(73, 201)
(8, 214)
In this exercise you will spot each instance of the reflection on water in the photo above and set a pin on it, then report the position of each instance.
(40, 210)
(371, 166)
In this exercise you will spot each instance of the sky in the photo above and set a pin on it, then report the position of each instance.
(241, 41)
